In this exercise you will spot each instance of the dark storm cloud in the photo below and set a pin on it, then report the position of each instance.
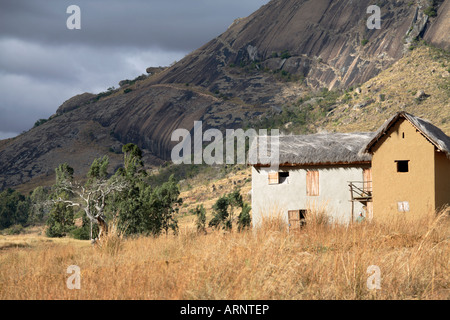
(180, 25)
(42, 63)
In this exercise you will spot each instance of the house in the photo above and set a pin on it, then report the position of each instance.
(314, 173)
(410, 167)
(402, 169)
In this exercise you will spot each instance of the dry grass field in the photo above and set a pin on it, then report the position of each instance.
(318, 262)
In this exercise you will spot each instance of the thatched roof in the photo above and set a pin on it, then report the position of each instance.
(344, 148)
(432, 133)
(319, 149)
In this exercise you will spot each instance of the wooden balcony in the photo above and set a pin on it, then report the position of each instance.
(360, 191)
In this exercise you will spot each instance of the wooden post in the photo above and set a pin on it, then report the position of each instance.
(352, 200)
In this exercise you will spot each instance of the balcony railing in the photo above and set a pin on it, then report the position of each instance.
(361, 190)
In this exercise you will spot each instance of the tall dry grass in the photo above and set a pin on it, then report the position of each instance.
(319, 262)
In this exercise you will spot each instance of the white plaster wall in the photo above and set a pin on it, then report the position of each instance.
(334, 193)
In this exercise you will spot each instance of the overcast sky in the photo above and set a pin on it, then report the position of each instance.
(43, 63)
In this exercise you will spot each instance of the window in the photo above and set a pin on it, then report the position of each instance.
(278, 177)
(283, 177)
(274, 178)
(312, 183)
(296, 219)
(403, 206)
(402, 165)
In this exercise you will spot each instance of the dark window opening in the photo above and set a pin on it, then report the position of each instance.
(402, 166)
(283, 177)
(403, 135)
(302, 214)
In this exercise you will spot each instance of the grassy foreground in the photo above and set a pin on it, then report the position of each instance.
(319, 262)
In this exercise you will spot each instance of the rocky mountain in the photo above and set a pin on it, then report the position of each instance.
(259, 64)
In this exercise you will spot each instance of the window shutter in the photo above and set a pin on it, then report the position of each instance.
(312, 183)
(294, 220)
(274, 178)
(367, 186)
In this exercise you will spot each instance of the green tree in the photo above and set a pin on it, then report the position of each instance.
(98, 169)
(132, 209)
(224, 210)
(221, 214)
(200, 212)
(164, 203)
(64, 174)
(60, 220)
(244, 219)
(38, 205)
(133, 203)
(14, 208)
(143, 209)
(132, 159)
(94, 195)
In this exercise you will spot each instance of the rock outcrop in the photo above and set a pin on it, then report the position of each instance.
(327, 42)
(438, 32)
(75, 102)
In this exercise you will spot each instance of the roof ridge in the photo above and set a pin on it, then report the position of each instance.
(431, 132)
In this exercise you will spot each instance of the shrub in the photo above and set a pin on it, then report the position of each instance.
(14, 208)
(431, 11)
(84, 232)
(224, 212)
(14, 230)
(245, 219)
(104, 94)
(200, 212)
(127, 90)
(285, 54)
(39, 122)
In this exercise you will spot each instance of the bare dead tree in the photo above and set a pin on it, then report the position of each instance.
(93, 199)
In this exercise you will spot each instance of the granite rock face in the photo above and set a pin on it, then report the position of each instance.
(438, 32)
(328, 42)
